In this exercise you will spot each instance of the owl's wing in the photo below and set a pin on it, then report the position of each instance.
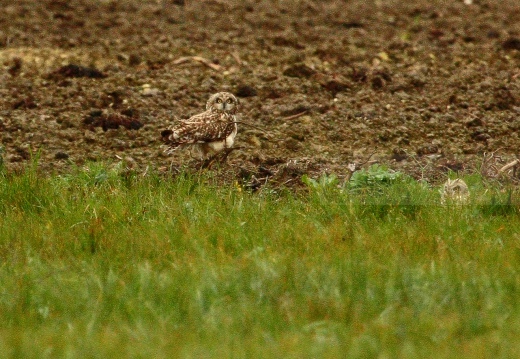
(206, 116)
(198, 129)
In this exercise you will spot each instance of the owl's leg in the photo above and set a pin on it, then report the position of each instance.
(195, 155)
(209, 162)
(225, 153)
(205, 161)
(219, 157)
(197, 152)
(222, 156)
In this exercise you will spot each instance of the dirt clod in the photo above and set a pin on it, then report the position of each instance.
(299, 70)
(512, 43)
(61, 155)
(72, 70)
(245, 91)
(427, 150)
(111, 121)
(16, 67)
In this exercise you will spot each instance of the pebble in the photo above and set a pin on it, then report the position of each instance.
(150, 91)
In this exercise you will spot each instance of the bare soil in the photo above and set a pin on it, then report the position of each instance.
(422, 86)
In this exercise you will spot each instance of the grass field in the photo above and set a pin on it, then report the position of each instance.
(101, 263)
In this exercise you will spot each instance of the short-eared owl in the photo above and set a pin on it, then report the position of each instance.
(210, 131)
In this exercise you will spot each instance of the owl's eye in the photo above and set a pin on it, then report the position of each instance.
(230, 101)
(219, 100)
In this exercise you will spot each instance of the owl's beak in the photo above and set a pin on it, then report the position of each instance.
(224, 106)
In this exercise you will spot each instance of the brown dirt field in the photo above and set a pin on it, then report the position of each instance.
(424, 86)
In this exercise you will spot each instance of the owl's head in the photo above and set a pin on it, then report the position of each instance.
(222, 102)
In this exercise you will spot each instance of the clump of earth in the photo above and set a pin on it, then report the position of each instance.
(423, 87)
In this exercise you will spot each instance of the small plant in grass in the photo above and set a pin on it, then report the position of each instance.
(373, 177)
(324, 183)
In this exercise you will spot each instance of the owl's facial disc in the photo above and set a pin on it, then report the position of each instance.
(223, 101)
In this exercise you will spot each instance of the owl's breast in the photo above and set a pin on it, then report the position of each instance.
(227, 142)
(230, 139)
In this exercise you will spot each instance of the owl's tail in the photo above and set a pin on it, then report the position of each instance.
(165, 135)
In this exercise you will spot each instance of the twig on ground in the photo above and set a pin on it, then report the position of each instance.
(288, 181)
(325, 126)
(248, 124)
(198, 59)
(292, 117)
(236, 56)
(508, 166)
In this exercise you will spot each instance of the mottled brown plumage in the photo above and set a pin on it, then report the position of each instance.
(211, 131)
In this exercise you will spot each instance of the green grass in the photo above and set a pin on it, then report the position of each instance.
(102, 263)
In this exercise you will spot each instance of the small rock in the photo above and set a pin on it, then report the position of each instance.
(149, 92)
